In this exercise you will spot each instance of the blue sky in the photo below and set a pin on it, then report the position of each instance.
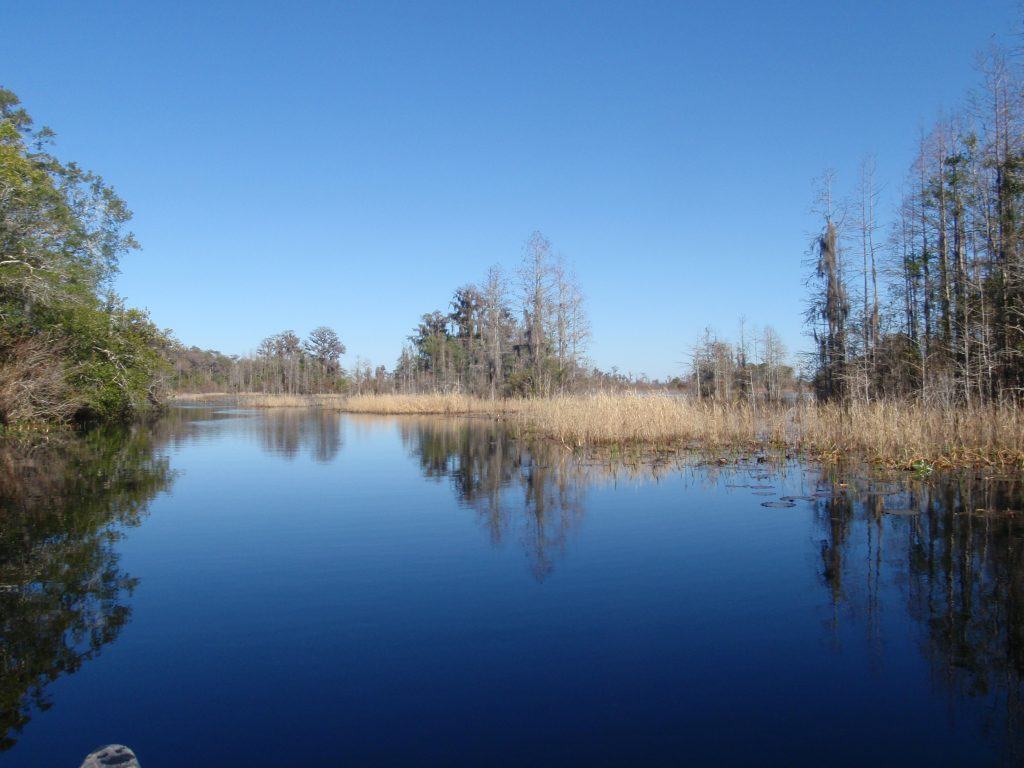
(351, 163)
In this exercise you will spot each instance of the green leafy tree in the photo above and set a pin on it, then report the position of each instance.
(69, 348)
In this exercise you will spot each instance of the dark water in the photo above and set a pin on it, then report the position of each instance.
(296, 588)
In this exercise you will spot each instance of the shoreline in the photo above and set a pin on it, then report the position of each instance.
(895, 435)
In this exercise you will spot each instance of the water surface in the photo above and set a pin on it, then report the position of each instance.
(242, 588)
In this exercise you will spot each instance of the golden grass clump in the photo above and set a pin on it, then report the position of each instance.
(654, 419)
(905, 434)
(893, 433)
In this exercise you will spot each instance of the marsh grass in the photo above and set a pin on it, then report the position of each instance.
(908, 435)
(201, 397)
(450, 404)
(259, 400)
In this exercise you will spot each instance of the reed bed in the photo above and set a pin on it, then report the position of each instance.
(910, 435)
(447, 404)
(199, 397)
(292, 401)
(895, 434)
(260, 400)
(915, 434)
(645, 419)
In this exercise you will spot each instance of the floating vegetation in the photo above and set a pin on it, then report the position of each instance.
(778, 504)
(921, 468)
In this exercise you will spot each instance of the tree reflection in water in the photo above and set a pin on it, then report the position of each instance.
(951, 547)
(954, 548)
(955, 570)
(63, 504)
(286, 431)
(534, 494)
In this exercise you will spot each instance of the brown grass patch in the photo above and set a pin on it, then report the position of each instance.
(429, 404)
(890, 433)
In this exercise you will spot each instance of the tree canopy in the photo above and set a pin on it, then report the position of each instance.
(69, 348)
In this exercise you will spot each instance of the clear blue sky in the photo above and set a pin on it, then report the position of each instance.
(351, 163)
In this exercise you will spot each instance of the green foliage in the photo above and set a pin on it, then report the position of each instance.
(921, 468)
(62, 234)
(116, 359)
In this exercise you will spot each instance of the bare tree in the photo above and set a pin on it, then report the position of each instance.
(829, 306)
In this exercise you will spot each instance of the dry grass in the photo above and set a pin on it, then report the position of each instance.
(34, 388)
(200, 397)
(646, 419)
(292, 401)
(429, 404)
(905, 434)
(259, 400)
(894, 434)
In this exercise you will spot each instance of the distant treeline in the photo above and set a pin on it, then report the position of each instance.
(526, 336)
(503, 337)
(282, 364)
(931, 303)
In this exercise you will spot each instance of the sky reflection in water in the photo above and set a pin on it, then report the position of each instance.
(263, 588)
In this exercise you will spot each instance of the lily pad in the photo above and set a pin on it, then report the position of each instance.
(778, 504)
